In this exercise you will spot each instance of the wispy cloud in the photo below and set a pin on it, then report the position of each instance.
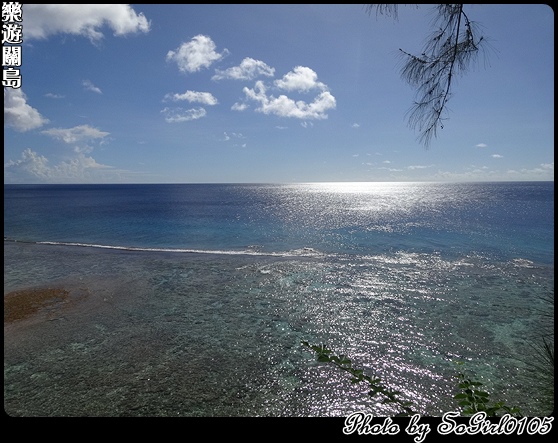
(89, 86)
(390, 169)
(76, 134)
(239, 107)
(228, 136)
(497, 156)
(234, 136)
(80, 137)
(413, 167)
(178, 115)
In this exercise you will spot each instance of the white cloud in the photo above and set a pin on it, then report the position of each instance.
(76, 134)
(484, 174)
(390, 169)
(51, 95)
(198, 53)
(205, 98)
(413, 167)
(497, 156)
(177, 115)
(91, 87)
(286, 107)
(228, 136)
(30, 163)
(18, 114)
(35, 168)
(301, 79)
(239, 107)
(481, 145)
(355, 125)
(41, 21)
(545, 171)
(248, 69)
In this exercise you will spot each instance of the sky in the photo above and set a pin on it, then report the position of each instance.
(270, 93)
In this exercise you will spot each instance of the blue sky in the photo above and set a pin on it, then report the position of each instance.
(269, 93)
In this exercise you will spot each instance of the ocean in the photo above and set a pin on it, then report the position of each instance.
(193, 299)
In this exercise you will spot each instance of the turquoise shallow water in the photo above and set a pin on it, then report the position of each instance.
(197, 327)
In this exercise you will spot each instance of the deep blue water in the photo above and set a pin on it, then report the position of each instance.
(501, 220)
(194, 298)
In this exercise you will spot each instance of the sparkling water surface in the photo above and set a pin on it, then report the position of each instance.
(193, 300)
